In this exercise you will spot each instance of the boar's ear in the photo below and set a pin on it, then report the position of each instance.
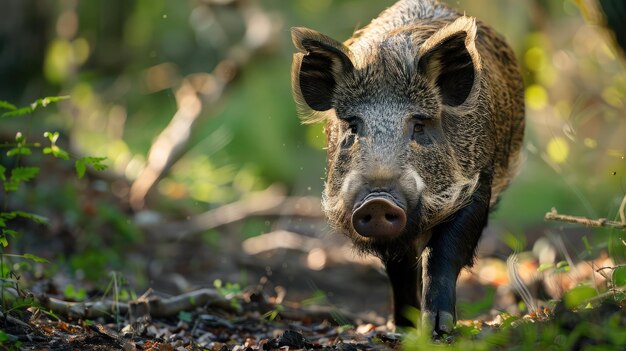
(449, 60)
(316, 69)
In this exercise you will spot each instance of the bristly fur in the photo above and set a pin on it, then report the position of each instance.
(396, 67)
(423, 107)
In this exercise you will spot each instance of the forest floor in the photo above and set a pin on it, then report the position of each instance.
(287, 288)
(349, 313)
(246, 327)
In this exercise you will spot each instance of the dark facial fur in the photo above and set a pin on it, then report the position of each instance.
(425, 107)
(420, 63)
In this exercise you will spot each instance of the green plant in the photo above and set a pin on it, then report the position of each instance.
(12, 177)
(273, 314)
(229, 291)
(8, 341)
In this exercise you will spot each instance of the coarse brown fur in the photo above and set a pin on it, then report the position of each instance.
(386, 86)
(424, 114)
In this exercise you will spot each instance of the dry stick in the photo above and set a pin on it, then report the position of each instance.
(553, 215)
(196, 94)
(164, 307)
(15, 321)
(270, 202)
(159, 307)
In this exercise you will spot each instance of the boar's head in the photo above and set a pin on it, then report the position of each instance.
(399, 109)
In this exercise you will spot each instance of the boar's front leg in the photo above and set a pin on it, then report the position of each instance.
(403, 272)
(450, 248)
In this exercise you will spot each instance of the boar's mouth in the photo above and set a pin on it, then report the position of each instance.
(379, 215)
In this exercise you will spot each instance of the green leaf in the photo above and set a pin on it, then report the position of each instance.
(508, 320)
(619, 276)
(562, 267)
(53, 148)
(2, 170)
(56, 152)
(562, 264)
(545, 266)
(24, 303)
(23, 174)
(513, 241)
(52, 136)
(7, 215)
(319, 296)
(47, 101)
(619, 296)
(467, 331)
(10, 232)
(29, 109)
(20, 150)
(7, 105)
(80, 167)
(60, 153)
(3, 241)
(578, 296)
(35, 258)
(11, 186)
(95, 162)
(19, 112)
(71, 292)
(35, 218)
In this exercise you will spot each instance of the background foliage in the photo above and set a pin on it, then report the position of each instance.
(122, 64)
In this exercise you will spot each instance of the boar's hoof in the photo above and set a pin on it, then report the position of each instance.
(379, 217)
(441, 323)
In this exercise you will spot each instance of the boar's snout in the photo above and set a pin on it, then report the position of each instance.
(379, 216)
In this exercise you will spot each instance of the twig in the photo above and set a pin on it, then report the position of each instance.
(553, 215)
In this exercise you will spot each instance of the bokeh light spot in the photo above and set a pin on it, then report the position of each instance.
(558, 149)
(536, 97)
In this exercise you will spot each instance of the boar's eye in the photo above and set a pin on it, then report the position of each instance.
(418, 128)
(352, 127)
(425, 130)
(419, 123)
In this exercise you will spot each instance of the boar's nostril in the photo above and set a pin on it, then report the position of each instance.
(379, 217)
(391, 217)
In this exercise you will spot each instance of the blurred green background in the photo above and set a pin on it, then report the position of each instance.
(126, 65)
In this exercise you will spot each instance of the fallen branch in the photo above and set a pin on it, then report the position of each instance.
(271, 202)
(158, 307)
(198, 93)
(553, 215)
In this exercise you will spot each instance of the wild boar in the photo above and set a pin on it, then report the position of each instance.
(424, 114)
